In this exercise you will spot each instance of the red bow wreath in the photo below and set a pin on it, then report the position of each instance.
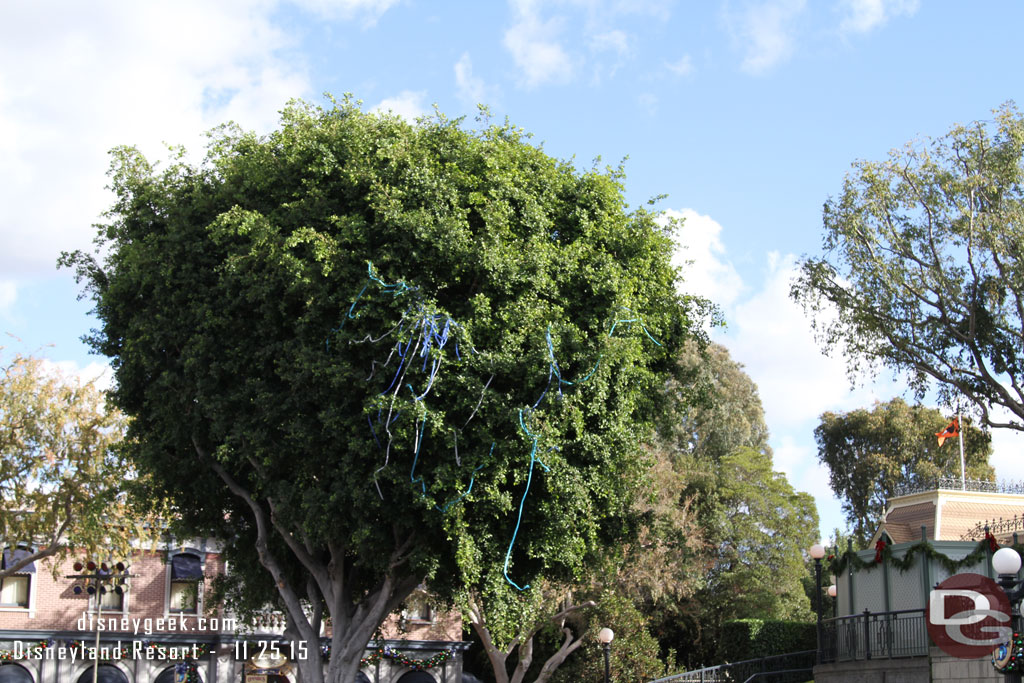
(992, 544)
(879, 547)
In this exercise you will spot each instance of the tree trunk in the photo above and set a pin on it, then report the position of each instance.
(499, 657)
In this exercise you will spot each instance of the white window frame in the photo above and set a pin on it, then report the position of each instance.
(168, 611)
(31, 606)
(420, 595)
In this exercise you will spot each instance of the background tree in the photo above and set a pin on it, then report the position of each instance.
(763, 528)
(61, 475)
(740, 529)
(869, 453)
(633, 654)
(922, 269)
(352, 429)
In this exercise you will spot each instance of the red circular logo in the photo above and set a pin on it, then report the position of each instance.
(968, 615)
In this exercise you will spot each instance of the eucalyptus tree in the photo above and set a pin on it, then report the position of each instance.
(870, 453)
(922, 270)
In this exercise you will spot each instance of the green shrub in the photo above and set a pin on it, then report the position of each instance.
(753, 638)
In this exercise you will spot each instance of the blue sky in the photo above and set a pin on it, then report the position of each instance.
(746, 114)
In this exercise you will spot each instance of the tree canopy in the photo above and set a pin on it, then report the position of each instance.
(729, 531)
(366, 352)
(61, 475)
(869, 453)
(922, 270)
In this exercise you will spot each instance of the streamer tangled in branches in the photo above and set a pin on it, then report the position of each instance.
(421, 337)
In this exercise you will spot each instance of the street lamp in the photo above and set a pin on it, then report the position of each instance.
(605, 636)
(832, 593)
(817, 551)
(1006, 562)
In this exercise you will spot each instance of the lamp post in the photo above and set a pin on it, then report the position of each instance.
(832, 593)
(817, 551)
(1006, 563)
(604, 636)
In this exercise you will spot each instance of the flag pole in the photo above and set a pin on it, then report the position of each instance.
(963, 468)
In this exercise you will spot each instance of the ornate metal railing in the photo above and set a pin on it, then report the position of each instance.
(795, 667)
(879, 635)
(994, 527)
(954, 484)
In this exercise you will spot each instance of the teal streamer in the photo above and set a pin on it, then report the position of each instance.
(522, 501)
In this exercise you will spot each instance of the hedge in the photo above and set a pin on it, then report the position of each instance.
(753, 638)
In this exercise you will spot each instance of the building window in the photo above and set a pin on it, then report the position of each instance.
(185, 589)
(184, 596)
(14, 591)
(418, 609)
(112, 601)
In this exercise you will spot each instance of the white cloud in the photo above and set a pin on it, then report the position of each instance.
(682, 66)
(369, 10)
(701, 255)
(100, 375)
(769, 334)
(535, 47)
(469, 87)
(8, 295)
(861, 16)
(78, 79)
(767, 31)
(408, 104)
(614, 41)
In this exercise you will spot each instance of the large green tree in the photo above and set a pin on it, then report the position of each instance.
(871, 453)
(734, 546)
(367, 353)
(922, 270)
(61, 473)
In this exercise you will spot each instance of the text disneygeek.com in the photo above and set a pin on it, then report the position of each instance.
(149, 625)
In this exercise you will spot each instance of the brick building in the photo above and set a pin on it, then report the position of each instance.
(158, 628)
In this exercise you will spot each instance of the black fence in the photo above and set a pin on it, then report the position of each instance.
(955, 484)
(795, 667)
(879, 635)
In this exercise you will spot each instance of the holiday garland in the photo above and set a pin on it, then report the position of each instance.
(389, 653)
(884, 554)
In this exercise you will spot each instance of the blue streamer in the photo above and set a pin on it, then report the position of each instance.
(522, 502)
(374, 432)
(466, 492)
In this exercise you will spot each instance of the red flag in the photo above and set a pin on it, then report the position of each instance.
(951, 430)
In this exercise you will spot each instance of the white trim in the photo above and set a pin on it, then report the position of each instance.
(33, 589)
